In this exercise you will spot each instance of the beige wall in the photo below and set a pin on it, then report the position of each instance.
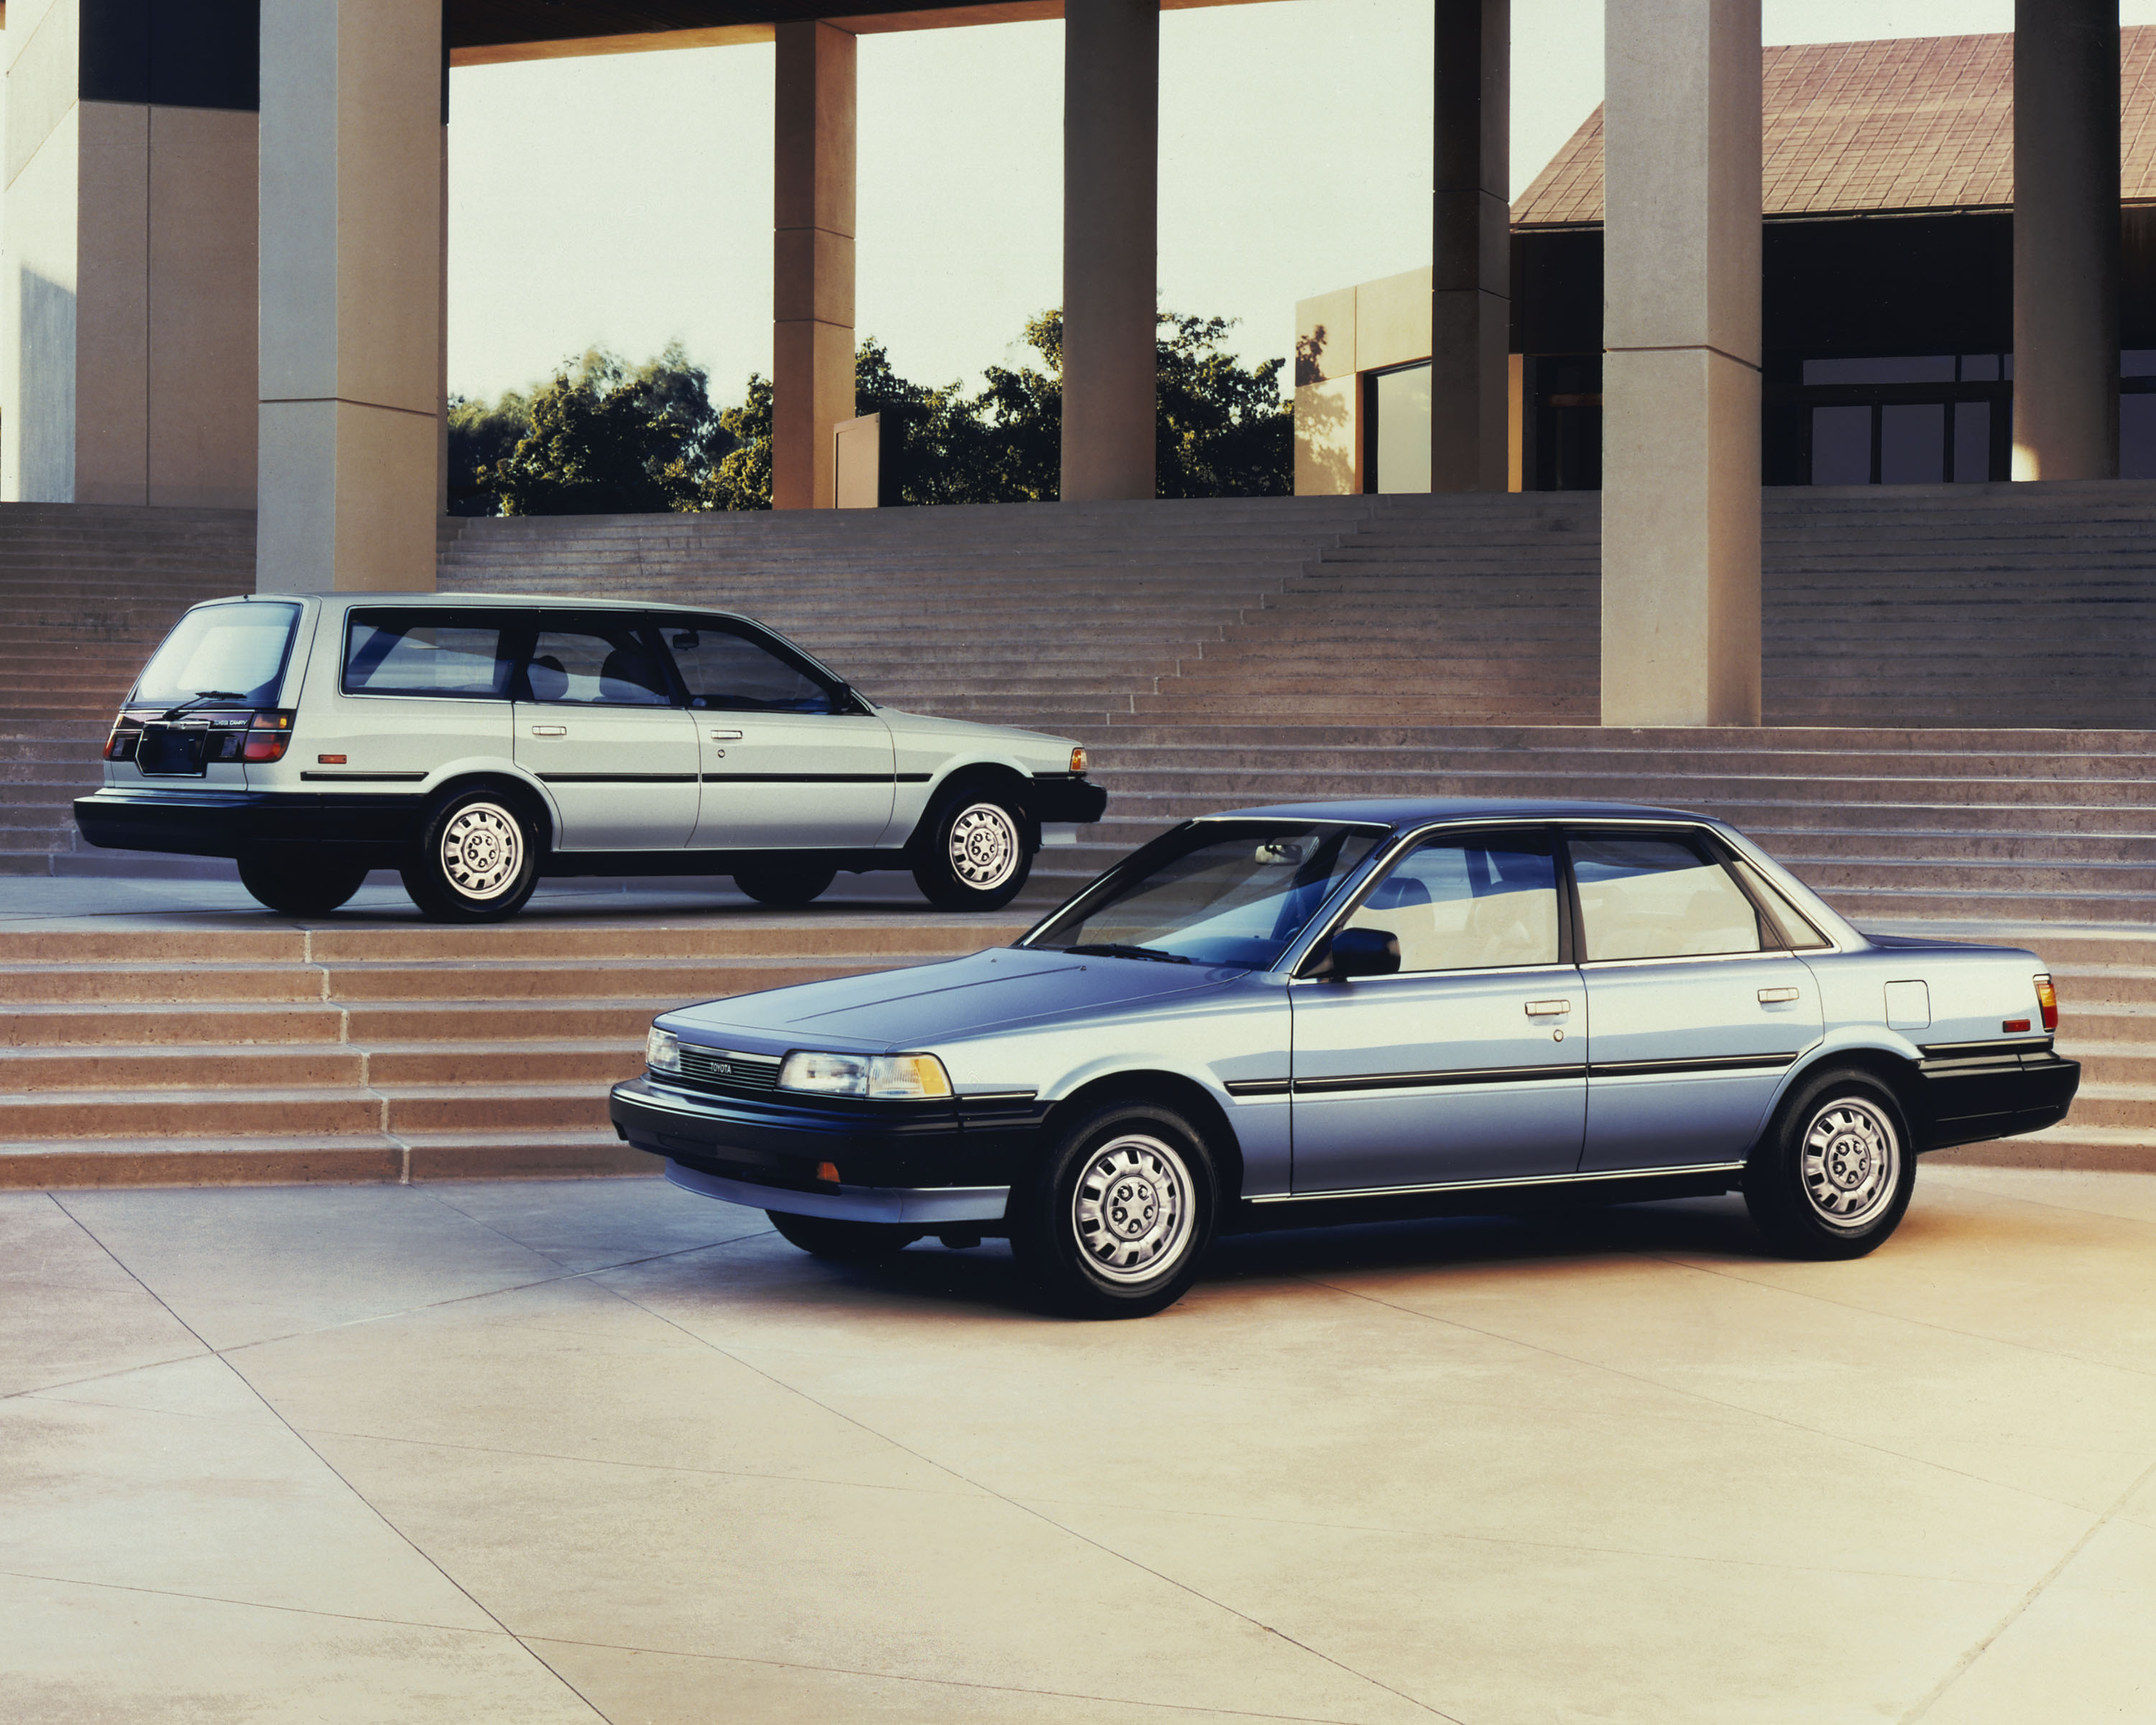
(127, 290)
(349, 293)
(811, 296)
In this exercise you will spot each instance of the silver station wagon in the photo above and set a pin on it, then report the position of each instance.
(478, 744)
(1338, 1011)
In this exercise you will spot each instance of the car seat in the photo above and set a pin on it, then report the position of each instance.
(548, 681)
(630, 678)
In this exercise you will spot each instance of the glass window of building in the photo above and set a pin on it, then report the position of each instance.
(1399, 447)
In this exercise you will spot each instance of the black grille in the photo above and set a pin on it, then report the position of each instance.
(754, 1074)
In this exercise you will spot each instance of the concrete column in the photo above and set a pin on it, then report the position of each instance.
(2065, 240)
(1472, 281)
(351, 294)
(811, 299)
(1110, 203)
(1680, 366)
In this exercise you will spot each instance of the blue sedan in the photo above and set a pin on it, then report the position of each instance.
(1334, 1011)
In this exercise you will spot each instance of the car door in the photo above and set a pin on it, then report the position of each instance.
(789, 760)
(598, 724)
(1469, 1064)
(1695, 1005)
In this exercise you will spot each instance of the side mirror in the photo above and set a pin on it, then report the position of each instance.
(1360, 952)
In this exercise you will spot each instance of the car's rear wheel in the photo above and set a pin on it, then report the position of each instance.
(973, 852)
(477, 860)
(300, 882)
(1116, 1218)
(842, 1242)
(1832, 1175)
(786, 883)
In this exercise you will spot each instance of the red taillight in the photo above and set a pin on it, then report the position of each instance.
(2047, 998)
(120, 744)
(268, 737)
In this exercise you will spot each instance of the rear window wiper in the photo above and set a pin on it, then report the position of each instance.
(200, 696)
(1112, 949)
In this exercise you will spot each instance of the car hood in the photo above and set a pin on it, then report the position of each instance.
(926, 1003)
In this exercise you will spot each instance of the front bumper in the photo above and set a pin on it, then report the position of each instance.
(904, 1162)
(198, 822)
(1054, 800)
(1976, 1092)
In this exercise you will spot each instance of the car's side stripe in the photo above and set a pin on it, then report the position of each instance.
(1424, 1081)
(1581, 1177)
(366, 778)
(1257, 1086)
(1705, 1065)
(816, 778)
(618, 778)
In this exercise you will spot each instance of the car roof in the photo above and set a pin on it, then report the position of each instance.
(1418, 811)
(517, 600)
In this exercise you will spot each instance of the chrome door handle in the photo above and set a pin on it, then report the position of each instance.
(725, 737)
(1768, 997)
(1547, 1009)
(550, 730)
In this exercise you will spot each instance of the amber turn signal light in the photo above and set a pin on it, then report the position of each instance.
(2047, 1000)
(268, 737)
(828, 1171)
(1078, 760)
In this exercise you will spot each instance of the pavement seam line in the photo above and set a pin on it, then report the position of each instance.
(1963, 1666)
(1024, 1508)
(1837, 1437)
(299, 1436)
(174, 1593)
(847, 1671)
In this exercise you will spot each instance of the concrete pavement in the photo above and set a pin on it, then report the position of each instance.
(596, 1448)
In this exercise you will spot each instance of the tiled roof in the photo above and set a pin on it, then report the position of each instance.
(1915, 123)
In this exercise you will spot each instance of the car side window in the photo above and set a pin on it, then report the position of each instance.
(1654, 897)
(427, 652)
(725, 672)
(596, 662)
(1469, 904)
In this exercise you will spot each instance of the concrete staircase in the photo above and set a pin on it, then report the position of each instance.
(86, 592)
(269, 1051)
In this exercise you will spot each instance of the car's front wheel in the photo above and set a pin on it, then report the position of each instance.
(786, 883)
(300, 883)
(973, 854)
(1115, 1221)
(477, 861)
(1832, 1176)
(842, 1242)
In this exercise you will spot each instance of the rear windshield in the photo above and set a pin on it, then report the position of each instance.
(229, 652)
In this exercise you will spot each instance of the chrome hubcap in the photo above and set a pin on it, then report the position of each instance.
(482, 851)
(1131, 1211)
(984, 846)
(1852, 1161)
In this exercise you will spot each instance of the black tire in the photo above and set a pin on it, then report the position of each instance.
(787, 883)
(477, 859)
(1115, 1221)
(300, 883)
(974, 851)
(1831, 1176)
(843, 1242)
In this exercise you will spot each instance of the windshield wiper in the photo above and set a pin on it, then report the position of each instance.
(203, 694)
(1112, 949)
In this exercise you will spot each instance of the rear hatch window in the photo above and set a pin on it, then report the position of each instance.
(221, 655)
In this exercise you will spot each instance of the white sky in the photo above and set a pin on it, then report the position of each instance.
(625, 200)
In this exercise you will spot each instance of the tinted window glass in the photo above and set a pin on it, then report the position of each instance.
(1659, 898)
(1797, 930)
(1219, 892)
(1462, 905)
(237, 651)
(727, 672)
(596, 662)
(425, 653)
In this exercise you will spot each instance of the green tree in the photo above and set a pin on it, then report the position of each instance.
(741, 478)
(480, 437)
(1224, 429)
(604, 437)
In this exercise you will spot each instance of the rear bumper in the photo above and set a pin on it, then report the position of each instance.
(1995, 1095)
(198, 822)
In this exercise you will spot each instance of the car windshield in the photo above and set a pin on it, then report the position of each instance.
(234, 652)
(1216, 892)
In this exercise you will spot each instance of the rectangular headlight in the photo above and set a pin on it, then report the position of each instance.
(882, 1076)
(662, 1050)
